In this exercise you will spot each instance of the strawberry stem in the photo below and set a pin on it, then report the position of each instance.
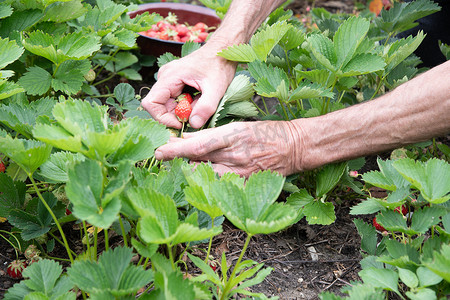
(63, 236)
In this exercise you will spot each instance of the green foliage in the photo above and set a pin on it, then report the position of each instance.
(112, 276)
(43, 280)
(404, 253)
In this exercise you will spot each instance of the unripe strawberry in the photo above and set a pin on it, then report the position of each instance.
(378, 226)
(353, 173)
(16, 268)
(183, 110)
(90, 76)
(32, 252)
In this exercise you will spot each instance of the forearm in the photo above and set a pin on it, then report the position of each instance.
(241, 21)
(413, 112)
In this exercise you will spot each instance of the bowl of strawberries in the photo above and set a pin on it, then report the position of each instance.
(181, 23)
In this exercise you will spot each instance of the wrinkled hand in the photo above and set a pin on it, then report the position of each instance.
(203, 70)
(241, 147)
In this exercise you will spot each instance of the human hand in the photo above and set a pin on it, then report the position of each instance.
(203, 70)
(242, 147)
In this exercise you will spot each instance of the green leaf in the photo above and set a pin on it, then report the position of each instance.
(271, 81)
(427, 277)
(90, 202)
(45, 277)
(122, 38)
(322, 49)
(368, 206)
(9, 52)
(431, 178)
(28, 154)
(368, 236)
(22, 116)
(265, 40)
(61, 12)
(143, 137)
(239, 90)
(424, 218)
(399, 50)
(206, 269)
(328, 177)
(57, 166)
(408, 277)
(318, 212)
(68, 78)
(189, 47)
(445, 49)
(348, 38)
(36, 81)
(383, 278)
(307, 90)
(401, 16)
(251, 208)
(113, 275)
(440, 264)
(124, 93)
(392, 221)
(363, 64)
(421, 294)
(20, 21)
(5, 10)
(241, 53)
(12, 195)
(76, 46)
(8, 89)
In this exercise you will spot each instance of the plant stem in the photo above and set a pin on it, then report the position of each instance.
(169, 248)
(14, 247)
(260, 110)
(63, 236)
(233, 273)
(105, 79)
(86, 234)
(124, 234)
(60, 242)
(105, 232)
(284, 111)
(95, 240)
(265, 105)
(209, 245)
(150, 166)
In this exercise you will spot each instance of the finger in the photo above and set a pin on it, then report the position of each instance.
(205, 107)
(192, 148)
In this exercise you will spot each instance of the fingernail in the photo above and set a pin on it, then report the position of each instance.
(196, 121)
(159, 155)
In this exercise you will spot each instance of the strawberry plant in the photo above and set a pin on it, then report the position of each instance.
(411, 258)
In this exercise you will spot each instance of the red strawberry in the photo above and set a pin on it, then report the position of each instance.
(183, 110)
(2, 167)
(16, 268)
(401, 210)
(185, 96)
(182, 30)
(378, 226)
(200, 26)
(203, 36)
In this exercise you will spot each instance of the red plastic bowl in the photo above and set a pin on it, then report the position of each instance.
(186, 13)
